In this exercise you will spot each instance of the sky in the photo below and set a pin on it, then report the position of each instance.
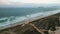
(21, 2)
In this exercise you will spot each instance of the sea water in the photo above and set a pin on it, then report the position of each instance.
(14, 15)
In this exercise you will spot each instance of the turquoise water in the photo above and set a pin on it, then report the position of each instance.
(7, 12)
(13, 15)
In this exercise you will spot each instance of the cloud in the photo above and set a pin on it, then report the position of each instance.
(41, 1)
(18, 2)
(10, 2)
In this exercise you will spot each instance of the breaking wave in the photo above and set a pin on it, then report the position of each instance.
(14, 19)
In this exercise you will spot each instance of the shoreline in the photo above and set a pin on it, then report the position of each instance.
(45, 14)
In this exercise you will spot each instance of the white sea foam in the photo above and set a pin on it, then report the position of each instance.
(13, 19)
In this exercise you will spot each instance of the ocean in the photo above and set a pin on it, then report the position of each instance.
(14, 15)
